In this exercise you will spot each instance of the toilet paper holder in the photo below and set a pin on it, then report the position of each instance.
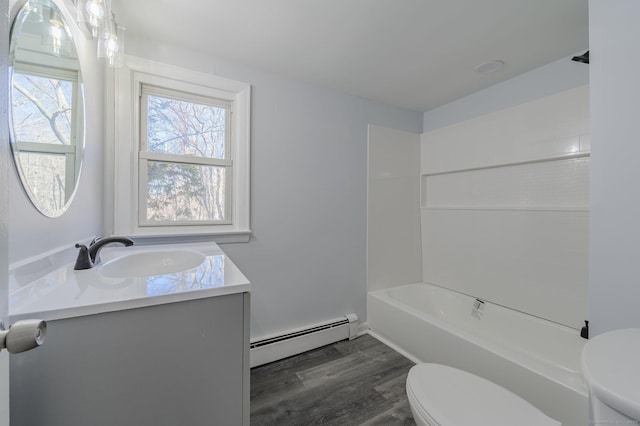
(23, 335)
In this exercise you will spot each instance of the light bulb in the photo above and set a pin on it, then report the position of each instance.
(111, 48)
(111, 45)
(111, 41)
(95, 8)
(57, 34)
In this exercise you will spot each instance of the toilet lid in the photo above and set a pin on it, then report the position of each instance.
(448, 397)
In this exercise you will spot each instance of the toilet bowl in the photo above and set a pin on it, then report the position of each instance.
(445, 396)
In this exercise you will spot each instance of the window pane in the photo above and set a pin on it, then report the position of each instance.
(185, 192)
(185, 128)
(41, 109)
(45, 174)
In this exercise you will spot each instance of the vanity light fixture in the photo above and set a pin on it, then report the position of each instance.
(98, 22)
(91, 13)
(111, 43)
(36, 9)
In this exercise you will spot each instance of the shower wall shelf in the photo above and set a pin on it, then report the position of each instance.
(557, 183)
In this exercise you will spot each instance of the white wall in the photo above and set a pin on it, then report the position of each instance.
(31, 233)
(4, 211)
(614, 283)
(552, 78)
(306, 258)
(394, 253)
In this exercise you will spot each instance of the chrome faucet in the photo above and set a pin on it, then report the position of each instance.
(88, 257)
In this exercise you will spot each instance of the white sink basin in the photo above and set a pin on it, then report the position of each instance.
(150, 263)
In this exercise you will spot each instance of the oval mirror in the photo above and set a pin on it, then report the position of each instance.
(46, 106)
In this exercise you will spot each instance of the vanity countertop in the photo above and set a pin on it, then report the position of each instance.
(66, 293)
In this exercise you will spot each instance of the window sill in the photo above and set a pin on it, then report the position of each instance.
(224, 237)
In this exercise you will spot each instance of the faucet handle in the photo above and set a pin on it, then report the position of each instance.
(83, 261)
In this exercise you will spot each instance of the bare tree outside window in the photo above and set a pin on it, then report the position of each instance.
(42, 116)
(183, 183)
(41, 109)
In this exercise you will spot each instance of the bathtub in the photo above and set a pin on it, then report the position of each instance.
(534, 358)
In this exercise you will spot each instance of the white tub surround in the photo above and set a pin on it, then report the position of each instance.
(394, 251)
(65, 293)
(505, 207)
(164, 350)
(537, 359)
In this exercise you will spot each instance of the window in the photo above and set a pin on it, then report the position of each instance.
(190, 149)
(185, 165)
(46, 118)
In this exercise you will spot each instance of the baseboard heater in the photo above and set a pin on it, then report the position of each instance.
(293, 342)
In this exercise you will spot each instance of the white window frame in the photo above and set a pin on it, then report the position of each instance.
(123, 163)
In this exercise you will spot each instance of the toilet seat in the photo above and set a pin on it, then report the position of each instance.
(440, 395)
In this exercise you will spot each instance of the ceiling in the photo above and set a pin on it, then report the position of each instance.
(415, 54)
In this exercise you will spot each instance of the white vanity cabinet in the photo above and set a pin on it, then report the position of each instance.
(183, 363)
(142, 361)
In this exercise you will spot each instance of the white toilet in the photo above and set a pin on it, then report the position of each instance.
(611, 367)
(445, 396)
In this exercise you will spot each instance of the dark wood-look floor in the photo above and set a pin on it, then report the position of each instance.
(357, 382)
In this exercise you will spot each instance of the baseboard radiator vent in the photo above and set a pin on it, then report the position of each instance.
(293, 342)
